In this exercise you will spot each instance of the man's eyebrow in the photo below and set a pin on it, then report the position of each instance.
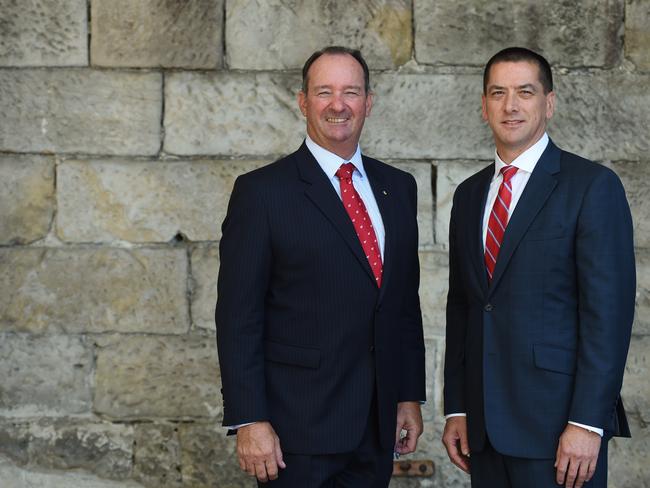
(525, 86)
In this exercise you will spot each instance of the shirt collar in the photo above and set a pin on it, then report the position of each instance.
(527, 160)
(330, 162)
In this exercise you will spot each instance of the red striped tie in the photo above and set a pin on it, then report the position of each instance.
(360, 219)
(498, 220)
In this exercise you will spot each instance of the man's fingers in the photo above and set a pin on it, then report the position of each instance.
(560, 468)
(591, 470)
(582, 474)
(260, 472)
(572, 473)
(271, 470)
(279, 459)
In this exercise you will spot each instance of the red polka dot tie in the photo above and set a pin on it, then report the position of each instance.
(356, 209)
(498, 220)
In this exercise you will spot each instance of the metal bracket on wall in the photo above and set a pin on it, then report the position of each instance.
(413, 467)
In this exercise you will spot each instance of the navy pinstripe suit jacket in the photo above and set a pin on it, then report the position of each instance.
(305, 337)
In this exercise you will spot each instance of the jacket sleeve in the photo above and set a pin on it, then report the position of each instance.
(412, 386)
(245, 264)
(606, 292)
(456, 315)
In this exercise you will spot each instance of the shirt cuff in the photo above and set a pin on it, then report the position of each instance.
(447, 417)
(235, 427)
(598, 431)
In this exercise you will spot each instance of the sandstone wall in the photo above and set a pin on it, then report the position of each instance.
(122, 127)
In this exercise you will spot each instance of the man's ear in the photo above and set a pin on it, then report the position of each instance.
(370, 99)
(484, 107)
(302, 102)
(550, 105)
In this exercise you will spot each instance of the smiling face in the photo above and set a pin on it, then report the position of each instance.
(516, 107)
(336, 103)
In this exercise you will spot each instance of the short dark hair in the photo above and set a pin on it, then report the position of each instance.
(355, 53)
(515, 54)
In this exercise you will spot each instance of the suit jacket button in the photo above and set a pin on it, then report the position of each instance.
(488, 307)
(372, 348)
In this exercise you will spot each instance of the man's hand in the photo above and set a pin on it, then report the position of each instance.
(258, 449)
(577, 454)
(455, 441)
(409, 418)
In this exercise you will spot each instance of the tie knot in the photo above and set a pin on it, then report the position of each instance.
(345, 171)
(508, 172)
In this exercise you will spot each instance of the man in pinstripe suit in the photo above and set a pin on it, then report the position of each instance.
(318, 318)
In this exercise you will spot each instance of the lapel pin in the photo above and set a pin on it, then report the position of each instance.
(384, 192)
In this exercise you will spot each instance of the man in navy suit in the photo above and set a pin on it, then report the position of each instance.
(319, 328)
(541, 298)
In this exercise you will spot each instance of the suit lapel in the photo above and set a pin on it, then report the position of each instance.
(538, 189)
(381, 189)
(320, 191)
(477, 209)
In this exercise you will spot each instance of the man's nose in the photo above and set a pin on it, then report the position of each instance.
(337, 102)
(512, 102)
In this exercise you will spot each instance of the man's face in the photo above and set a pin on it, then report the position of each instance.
(516, 107)
(336, 103)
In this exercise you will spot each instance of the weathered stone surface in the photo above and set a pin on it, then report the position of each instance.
(422, 174)
(166, 376)
(291, 31)
(80, 111)
(43, 33)
(93, 290)
(44, 375)
(636, 389)
(434, 275)
(635, 177)
(602, 116)
(155, 33)
(628, 458)
(411, 118)
(468, 32)
(102, 448)
(232, 114)
(26, 198)
(449, 174)
(157, 457)
(137, 201)
(14, 477)
(637, 33)
(205, 268)
(642, 316)
(209, 458)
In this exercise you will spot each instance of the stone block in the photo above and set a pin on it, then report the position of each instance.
(290, 31)
(434, 276)
(411, 118)
(602, 116)
(154, 33)
(642, 316)
(80, 111)
(44, 375)
(44, 33)
(140, 377)
(209, 457)
(636, 389)
(78, 290)
(205, 269)
(449, 174)
(144, 201)
(13, 476)
(422, 174)
(637, 33)
(635, 177)
(628, 458)
(232, 114)
(26, 198)
(102, 448)
(567, 33)
(157, 455)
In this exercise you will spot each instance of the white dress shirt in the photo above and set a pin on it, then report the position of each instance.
(525, 164)
(330, 163)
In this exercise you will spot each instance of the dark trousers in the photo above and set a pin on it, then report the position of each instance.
(368, 466)
(490, 469)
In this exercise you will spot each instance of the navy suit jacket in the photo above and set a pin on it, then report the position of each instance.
(546, 341)
(305, 336)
